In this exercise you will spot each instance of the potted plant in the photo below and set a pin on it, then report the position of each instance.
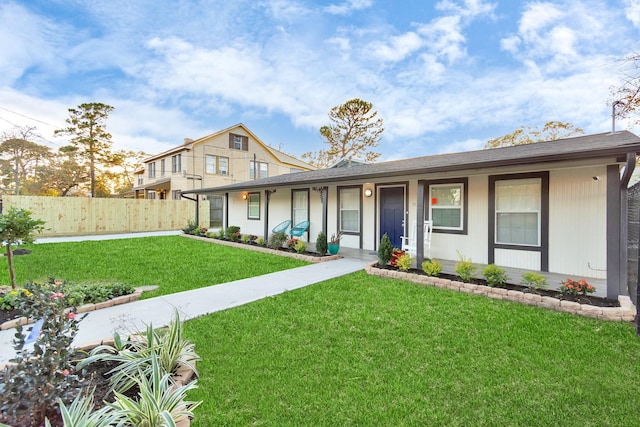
(334, 243)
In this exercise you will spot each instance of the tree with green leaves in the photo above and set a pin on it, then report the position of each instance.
(21, 157)
(17, 226)
(626, 95)
(526, 135)
(90, 139)
(354, 131)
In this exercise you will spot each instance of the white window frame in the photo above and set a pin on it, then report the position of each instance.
(438, 205)
(210, 164)
(223, 170)
(536, 210)
(343, 210)
(152, 170)
(237, 142)
(253, 201)
(176, 163)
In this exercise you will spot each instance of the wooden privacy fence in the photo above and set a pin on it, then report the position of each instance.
(72, 216)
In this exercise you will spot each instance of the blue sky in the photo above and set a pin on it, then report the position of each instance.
(444, 75)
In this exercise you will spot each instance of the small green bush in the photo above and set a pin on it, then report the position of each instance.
(431, 267)
(534, 280)
(191, 228)
(494, 275)
(232, 233)
(300, 246)
(277, 239)
(321, 243)
(465, 268)
(404, 262)
(260, 241)
(385, 250)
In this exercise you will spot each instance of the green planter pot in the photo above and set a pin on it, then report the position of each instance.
(333, 249)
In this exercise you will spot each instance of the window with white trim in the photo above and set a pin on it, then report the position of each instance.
(210, 164)
(518, 211)
(223, 165)
(216, 210)
(261, 168)
(163, 169)
(253, 206)
(176, 163)
(446, 207)
(176, 194)
(349, 210)
(152, 170)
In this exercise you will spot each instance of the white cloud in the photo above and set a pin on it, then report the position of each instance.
(632, 10)
(469, 8)
(348, 6)
(396, 48)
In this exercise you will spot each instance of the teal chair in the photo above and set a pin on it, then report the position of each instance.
(282, 227)
(299, 229)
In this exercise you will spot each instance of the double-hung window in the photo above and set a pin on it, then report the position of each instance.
(223, 165)
(152, 170)
(518, 211)
(210, 164)
(163, 169)
(176, 163)
(253, 206)
(447, 206)
(349, 210)
(260, 168)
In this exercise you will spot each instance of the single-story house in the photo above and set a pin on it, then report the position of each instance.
(557, 206)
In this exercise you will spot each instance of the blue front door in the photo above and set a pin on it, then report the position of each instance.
(392, 214)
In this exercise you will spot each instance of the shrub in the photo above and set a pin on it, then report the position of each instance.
(395, 254)
(291, 242)
(232, 233)
(300, 246)
(260, 241)
(321, 243)
(431, 267)
(46, 369)
(534, 280)
(404, 261)
(11, 299)
(494, 275)
(573, 287)
(465, 268)
(220, 234)
(277, 239)
(191, 228)
(16, 226)
(385, 250)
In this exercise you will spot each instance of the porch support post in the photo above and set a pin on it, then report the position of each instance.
(267, 198)
(614, 279)
(323, 197)
(420, 224)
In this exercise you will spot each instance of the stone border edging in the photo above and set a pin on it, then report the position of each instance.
(85, 308)
(625, 313)
(302, 257)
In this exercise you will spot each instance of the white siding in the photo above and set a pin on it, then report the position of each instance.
(518, 259)
(577, 222)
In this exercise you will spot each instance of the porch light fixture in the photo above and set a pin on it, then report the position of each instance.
(244, 196)
(368, 192)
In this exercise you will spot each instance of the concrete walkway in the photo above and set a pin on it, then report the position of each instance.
(134, 316)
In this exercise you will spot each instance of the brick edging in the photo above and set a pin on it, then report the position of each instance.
(302, 257)
(10, 324)
(626, 312)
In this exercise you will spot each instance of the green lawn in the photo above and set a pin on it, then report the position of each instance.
(370, 351)
(173, 263)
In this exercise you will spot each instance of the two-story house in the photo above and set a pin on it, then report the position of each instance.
(225, 157)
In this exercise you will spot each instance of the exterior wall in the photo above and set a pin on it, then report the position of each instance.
(69, 216)
(577, 222)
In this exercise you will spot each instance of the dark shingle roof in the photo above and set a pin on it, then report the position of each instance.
(582, 147)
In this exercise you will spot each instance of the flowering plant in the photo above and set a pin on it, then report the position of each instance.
(395, 255)
(291, 242)
(11, 300)
(573, 287)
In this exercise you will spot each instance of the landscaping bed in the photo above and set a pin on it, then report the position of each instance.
(584, 305)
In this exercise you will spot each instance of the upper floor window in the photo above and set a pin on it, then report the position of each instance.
(176, 163)
(239, 142)
(140, 179)
(163, 168)
(223, 165)
(210, 164)
(216, 165)
(152, 170)
(261, 168)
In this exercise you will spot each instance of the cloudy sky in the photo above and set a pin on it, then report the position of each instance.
(444, 75)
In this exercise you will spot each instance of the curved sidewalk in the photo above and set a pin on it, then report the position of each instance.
(101, 324)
